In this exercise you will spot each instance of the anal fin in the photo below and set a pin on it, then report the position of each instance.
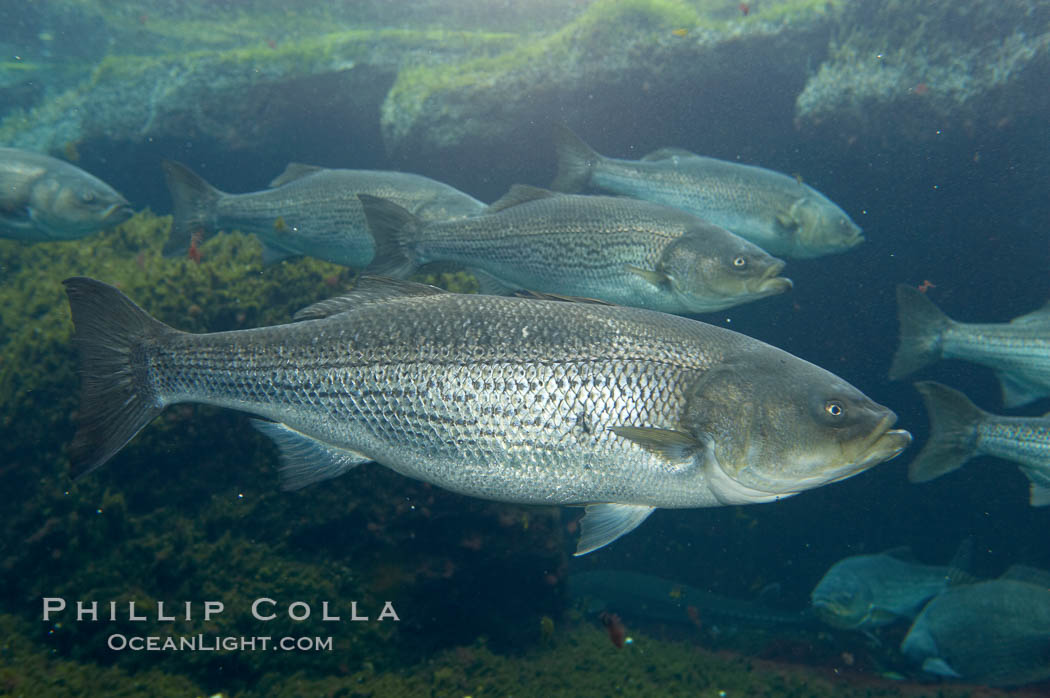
(604, 523)
(304, 459)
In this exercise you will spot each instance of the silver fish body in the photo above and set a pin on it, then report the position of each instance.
(308, 211)
(618, 250)
(776, 212)
(959, 431)
(868, 591)
(995, 632)
(1018, 351)
(43, 199)
(510, 399)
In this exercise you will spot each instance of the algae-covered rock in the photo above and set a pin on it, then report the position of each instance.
(618, 57)
(912, 70)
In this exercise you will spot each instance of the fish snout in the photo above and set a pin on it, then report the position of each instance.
(885, 442)
(770, 283)
(117, 213)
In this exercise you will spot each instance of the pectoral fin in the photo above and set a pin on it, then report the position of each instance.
(656, 278)
(668, 443)
(785, 220)
(936, 665)
(1038, 495)
(1016, 391)
(604, 523)
(271, 254)
(304, 459)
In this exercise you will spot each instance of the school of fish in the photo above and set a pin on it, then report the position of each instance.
(572, 379)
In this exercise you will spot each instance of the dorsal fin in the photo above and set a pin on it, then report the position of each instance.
(1040, 316)
(366, 291)
(668, 153)
(904, 553)
(520, 194)
(541, 296)
(1031, 575)
(294, 171)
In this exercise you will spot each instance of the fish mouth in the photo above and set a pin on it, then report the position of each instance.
(882, 445)
(117, 213)
(854, 239)
(770, 284)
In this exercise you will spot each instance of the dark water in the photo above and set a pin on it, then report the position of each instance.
(967, 211)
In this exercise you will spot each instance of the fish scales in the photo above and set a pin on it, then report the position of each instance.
(1005, 346)
(621, 410)
(614, 249)
(544, 233)
(698, 183)
(411, 387)
(1021, 439)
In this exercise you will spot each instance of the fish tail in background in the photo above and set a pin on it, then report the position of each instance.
(922, 325)
(576, 161)
(953, 432)
(116, 397)
(394, 230)
(194, 203)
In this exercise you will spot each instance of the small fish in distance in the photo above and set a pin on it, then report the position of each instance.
(614, 249)
(44, 199)
(1018, 351)
(862, 592)
(778, 213)
(959, 431)
(308, 210)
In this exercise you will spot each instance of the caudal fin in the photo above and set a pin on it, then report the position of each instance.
(194, 207)
(576, 161)
(393, 229)
(116, 398)
(922, 325)
(953, 432)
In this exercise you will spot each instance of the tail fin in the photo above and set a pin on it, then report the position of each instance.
(953, 432)
(576, 161)
(393, 229)
(116, 398)
(922, 325)
(194, 203)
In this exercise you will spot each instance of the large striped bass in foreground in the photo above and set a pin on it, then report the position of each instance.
(1018, 351)
(621, 410)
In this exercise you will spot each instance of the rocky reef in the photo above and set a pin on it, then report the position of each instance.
(435, 83)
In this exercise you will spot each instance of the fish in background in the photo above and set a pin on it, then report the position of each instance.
(776, 212)
(959, 431)
(862, 592)
(617, 409)
(308, 210)
(995, 632)
(617, 250)
(44, 199)
(644, 596)
(1018, 351)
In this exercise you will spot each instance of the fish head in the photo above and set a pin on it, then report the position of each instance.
(711, 268)
(777, 425)
(69, 206)
(844, 596)
(821, 227)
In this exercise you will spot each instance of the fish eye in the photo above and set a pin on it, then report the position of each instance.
(87, 197)
(834, 409)
(740, 262)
